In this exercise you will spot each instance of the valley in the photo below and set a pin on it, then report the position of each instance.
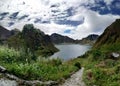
(24, 55)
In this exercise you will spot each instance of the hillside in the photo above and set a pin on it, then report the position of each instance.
(102, 63)
(111, 35)
(4, 34)
(57, 39)
(32, 39)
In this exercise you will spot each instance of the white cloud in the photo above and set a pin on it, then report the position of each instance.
(94, 23)
(76, 17)
(108, 2)
(41, 9)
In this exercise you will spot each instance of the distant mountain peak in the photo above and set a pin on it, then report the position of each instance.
(90, 39)
(57, 39)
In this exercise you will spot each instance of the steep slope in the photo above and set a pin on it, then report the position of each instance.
(111, 35)
(103, 65)
(57, 39)
(4, 34)
(34, 40)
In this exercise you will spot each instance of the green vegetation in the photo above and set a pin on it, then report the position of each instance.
(32, 40)
(100, 69)
(26, 67)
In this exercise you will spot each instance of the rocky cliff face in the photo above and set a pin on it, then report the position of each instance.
(57, 39)
(111, 35)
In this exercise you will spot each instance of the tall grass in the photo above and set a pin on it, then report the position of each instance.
(24, 66)
(100, 69)
(11, 55)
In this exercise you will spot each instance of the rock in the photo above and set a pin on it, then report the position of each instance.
(2, 69)
(5, 82)
(13, 77)
(36, 82)
(12, 80)
(30, 83)
(114, 55)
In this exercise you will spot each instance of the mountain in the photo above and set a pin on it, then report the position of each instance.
(111, 35)
(57, 39)
(90, 39)
(33, 40)
(14, 31)
(4, 34)
(104, 58)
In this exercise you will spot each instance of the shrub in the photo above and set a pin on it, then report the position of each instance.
(78, 65)
(96, 53)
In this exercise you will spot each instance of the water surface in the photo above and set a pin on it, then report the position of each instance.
(70, 51)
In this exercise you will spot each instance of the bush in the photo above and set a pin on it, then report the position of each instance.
(9, 55)
(96, 53)
(78, 65)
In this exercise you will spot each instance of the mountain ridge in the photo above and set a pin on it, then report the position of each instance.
(110, 35)
(57, 39)
(29, 39)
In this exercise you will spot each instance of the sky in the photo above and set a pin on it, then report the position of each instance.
(73, 18)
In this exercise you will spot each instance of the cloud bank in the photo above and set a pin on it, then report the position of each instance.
(74, 18)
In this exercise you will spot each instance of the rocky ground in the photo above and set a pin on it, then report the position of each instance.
(6, 82)
(75, 79)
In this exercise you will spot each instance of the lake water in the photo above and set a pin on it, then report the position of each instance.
(70, 51)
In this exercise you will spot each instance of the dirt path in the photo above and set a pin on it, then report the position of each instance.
(75, 80)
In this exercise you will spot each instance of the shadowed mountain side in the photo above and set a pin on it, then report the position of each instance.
(111, 34)
(57, 39)
(4, 33)
(29, 39)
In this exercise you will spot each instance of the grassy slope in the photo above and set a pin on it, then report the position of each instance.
(100, 70)
(26, 67)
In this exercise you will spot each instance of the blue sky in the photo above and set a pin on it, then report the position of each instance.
(74, 18)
